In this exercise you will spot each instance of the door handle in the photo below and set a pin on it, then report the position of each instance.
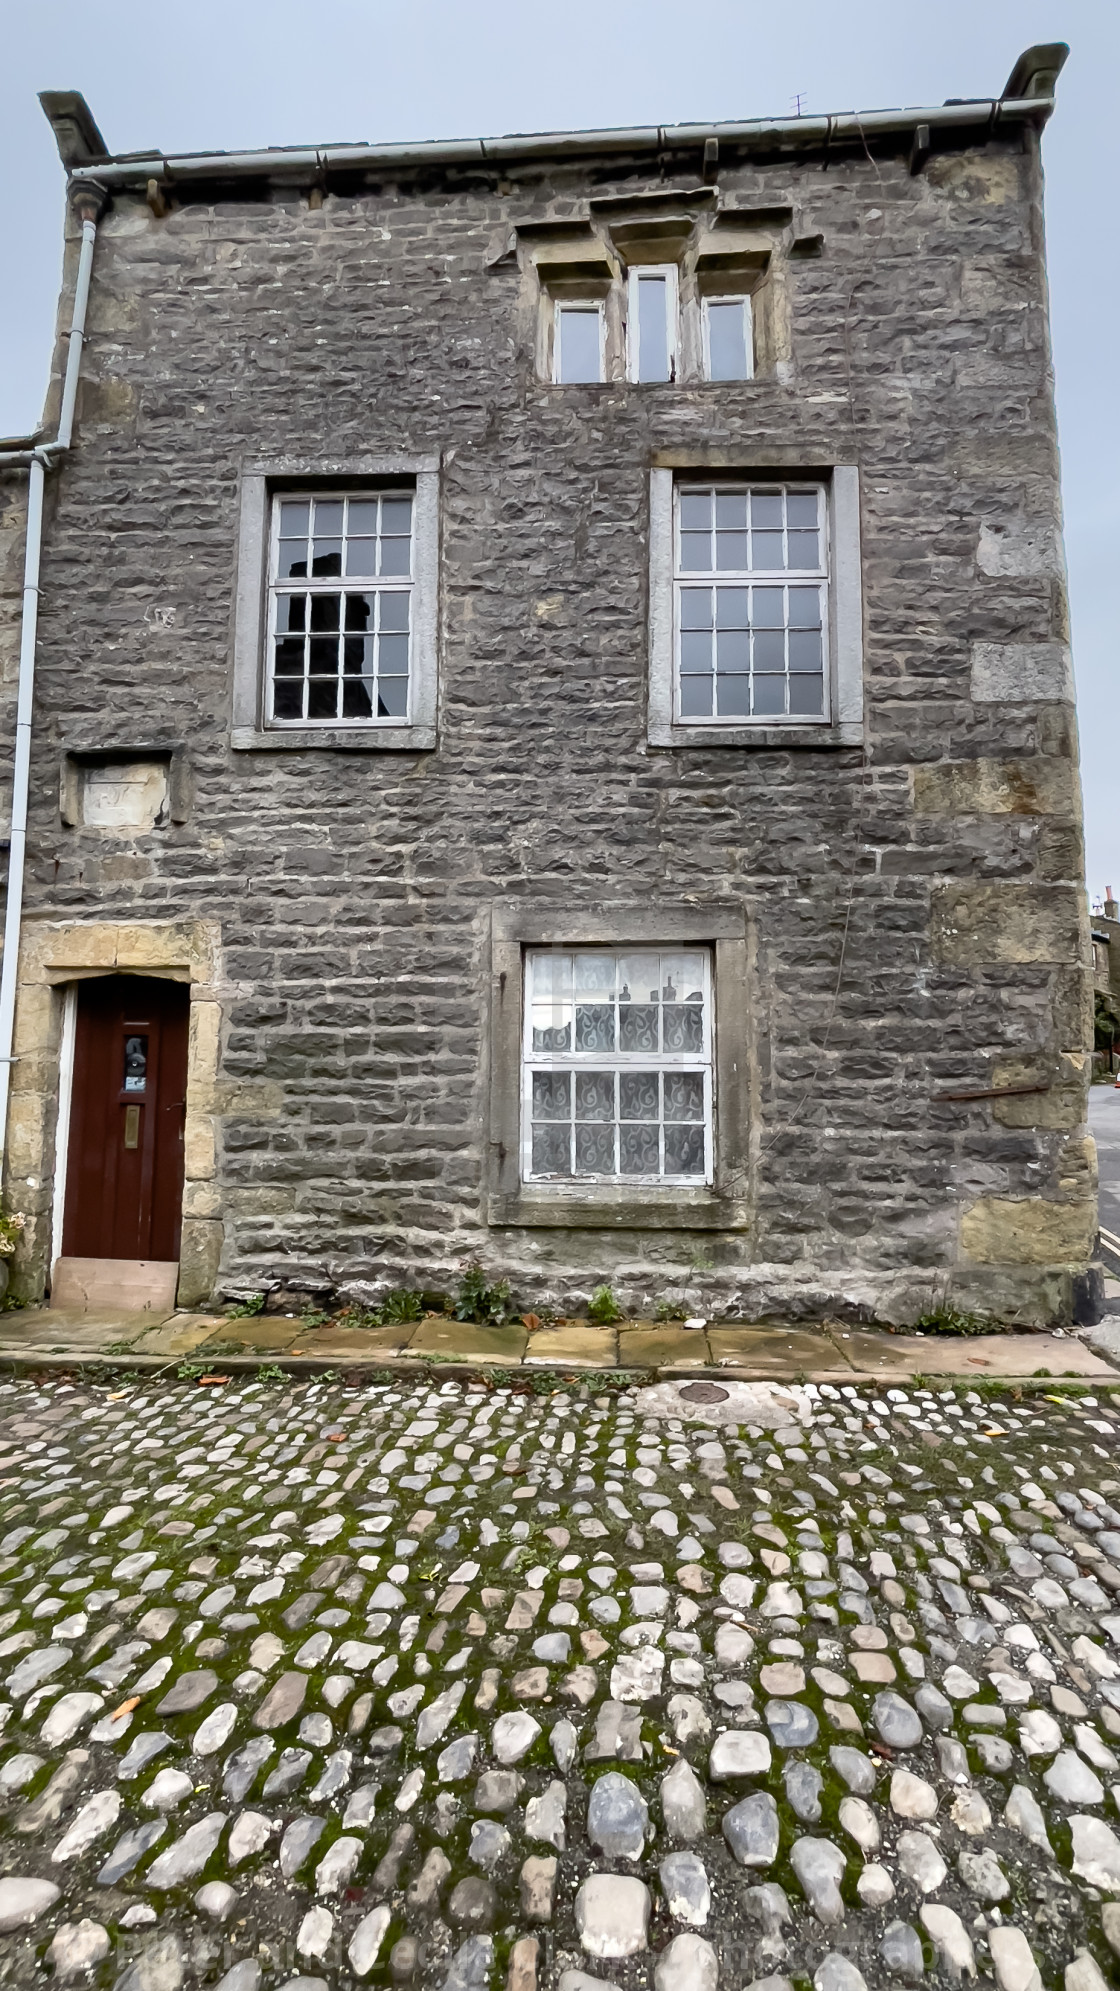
(132, 1126)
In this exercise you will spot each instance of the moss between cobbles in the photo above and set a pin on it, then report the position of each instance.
(224, 1541)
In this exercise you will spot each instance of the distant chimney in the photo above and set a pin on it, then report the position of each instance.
(1111, 909)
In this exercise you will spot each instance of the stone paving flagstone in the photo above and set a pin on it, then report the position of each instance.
(803, 1684)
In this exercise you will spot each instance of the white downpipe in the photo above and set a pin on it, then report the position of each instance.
(21, 773)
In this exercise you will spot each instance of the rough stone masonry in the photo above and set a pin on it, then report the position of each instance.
(902, 1033)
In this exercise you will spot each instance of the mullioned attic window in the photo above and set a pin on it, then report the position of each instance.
(617, 1066)
(578, 343)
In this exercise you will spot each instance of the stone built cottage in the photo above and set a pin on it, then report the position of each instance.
(553, 732)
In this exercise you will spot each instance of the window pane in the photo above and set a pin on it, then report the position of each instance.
(361, 556)
(733, 697)
(769, 650)
(696, 698)
(325, 611)
(295, 520)
(326, 560)
(551, 1151)
(731, 552)
(729, 355)
(362, 515)
(653, 328)
(396, 516)
(767, 552)
(393, 655)
(806, 695)
(801, 509)
(595, 1096)
(684, 1151)
(637, 1027)
(357, 698)
(804, 608)
(638, 976)
(551, 976)
(552, 1095)
(696, 552)
(289, 657)
(392, 698)
(396, 557)
(683, 1025)
(696, 650)
(766, 510)
(696, 510)
(595, 1150)
(802, 549)
(696, 608)
(579, 343)
(768, 608)
(292, 562)
(594, 972)
(323, 661)
(328, 518)
(393, 609)
(359, 611)
(552, 1028)
(684, 1096)
(731, 511)
(638, 1095)
(287, 698)
(733, 650)
(732, 608)
(805, 650)
(769, 696)
(594, 1026)
(686, 972)
(639, 1150)
(322, 698)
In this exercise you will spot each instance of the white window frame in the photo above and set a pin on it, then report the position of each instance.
(633, 324)
(698, 1062)
(845, 725)
(261, 483)
(770, 579)
(585, 307)
(744, 303)
(280, 589)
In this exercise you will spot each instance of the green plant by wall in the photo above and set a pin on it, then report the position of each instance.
(670, 1310)
(947, 1320)
(245, 1309)
(488, 1306)
(401, 1305)
(603, 1308)
(12, 1223)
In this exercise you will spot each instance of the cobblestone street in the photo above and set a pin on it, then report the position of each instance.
(449, 1686)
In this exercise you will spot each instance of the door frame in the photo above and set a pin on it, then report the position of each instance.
(62, 1122)
(54, 957)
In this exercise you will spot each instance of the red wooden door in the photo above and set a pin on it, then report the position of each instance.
(124, 1172)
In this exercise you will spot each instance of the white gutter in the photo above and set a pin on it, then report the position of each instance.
(844, 127)
(37, 461)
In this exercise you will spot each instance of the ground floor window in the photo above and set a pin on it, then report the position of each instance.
(617, 1065)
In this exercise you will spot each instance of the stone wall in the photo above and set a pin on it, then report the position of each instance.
(914, 910)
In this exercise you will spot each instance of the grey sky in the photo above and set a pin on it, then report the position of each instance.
(241, 73)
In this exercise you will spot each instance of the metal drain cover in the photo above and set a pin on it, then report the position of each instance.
(704, 1393)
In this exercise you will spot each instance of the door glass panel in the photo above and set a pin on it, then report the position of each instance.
(135, 1064)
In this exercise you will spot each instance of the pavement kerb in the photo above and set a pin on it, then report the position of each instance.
(307, 1367)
